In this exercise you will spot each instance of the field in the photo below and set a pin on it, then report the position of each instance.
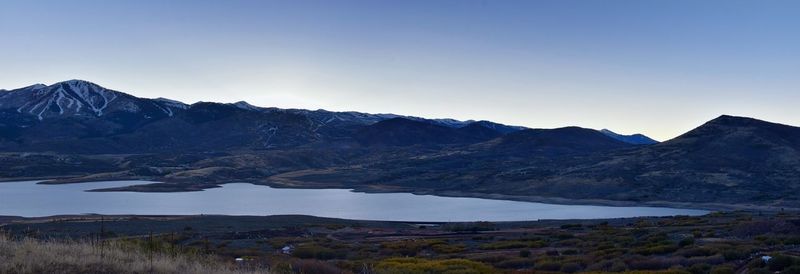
(30, 255)
(732, 242)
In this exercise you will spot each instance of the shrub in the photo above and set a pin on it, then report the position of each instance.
(316, 252)
(686, 242)
(699, 268)
(418, 265)
(512, 244)
(412, 247)
(309, 266)
(792, 241)
(570, 267)
(735, 254)
(697, 252)
(659, 249)
(568, 242)
(722, 270)
(571, 226)
(564, 236)
(570, 252)
(779, 262)
(795, 269)
(470, 227)
(516, 263)
(713, 260)
(492, 258)
(759, 271)
(618, 266)
(552, 252)
(33, 256)
(448, 248)
(656, 263)
(548, 266)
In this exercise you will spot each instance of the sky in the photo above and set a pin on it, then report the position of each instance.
(655, 67)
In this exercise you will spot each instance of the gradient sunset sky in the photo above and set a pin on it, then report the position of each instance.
(655, 67)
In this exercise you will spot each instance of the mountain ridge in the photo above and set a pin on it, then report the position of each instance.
(320, 117)
(636, 139)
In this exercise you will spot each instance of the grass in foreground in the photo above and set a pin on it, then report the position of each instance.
(38, 256)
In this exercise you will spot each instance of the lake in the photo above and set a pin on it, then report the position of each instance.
(34, 200)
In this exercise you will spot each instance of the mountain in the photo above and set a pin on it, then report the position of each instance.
(77, 116)
(727, 161)
(636, 139)
(557, 141)
(77, 98)
(480, 131)
(41, 118)
(82, 131)
(408, 132)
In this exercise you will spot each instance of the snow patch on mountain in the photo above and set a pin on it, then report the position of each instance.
(246, 106)
(172, 103)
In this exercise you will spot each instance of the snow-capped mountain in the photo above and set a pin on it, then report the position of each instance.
(84, 117)
(86, 99)
(77, 98)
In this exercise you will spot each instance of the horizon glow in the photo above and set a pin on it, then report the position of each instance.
(659, 68)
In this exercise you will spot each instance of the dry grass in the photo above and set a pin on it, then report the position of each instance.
(36, 256)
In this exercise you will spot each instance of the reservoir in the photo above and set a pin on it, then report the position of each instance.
(35, 200)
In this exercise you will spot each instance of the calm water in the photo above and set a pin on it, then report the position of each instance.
(30, 199)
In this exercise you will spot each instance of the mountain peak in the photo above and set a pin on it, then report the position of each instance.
(36, 86)
(730, 120)
(741, 128)
(77, 83)
(246, 106)
(636, 139)
(80, 98)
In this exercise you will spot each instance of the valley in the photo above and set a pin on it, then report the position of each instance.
(399, 137)
(729, 162)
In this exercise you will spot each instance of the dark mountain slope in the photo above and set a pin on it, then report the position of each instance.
(480, 131)
(202, 127)
(725, 160)
(501, 128)
(407, 132)
(500, 165)
(729, 160)
(636, 139)
(565, 140)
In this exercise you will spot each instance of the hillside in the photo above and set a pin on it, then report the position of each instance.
(727, 161)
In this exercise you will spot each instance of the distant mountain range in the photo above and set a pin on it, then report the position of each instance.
(82, 117)
(79, 131)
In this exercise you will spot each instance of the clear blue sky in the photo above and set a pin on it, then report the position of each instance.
(656, 67)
